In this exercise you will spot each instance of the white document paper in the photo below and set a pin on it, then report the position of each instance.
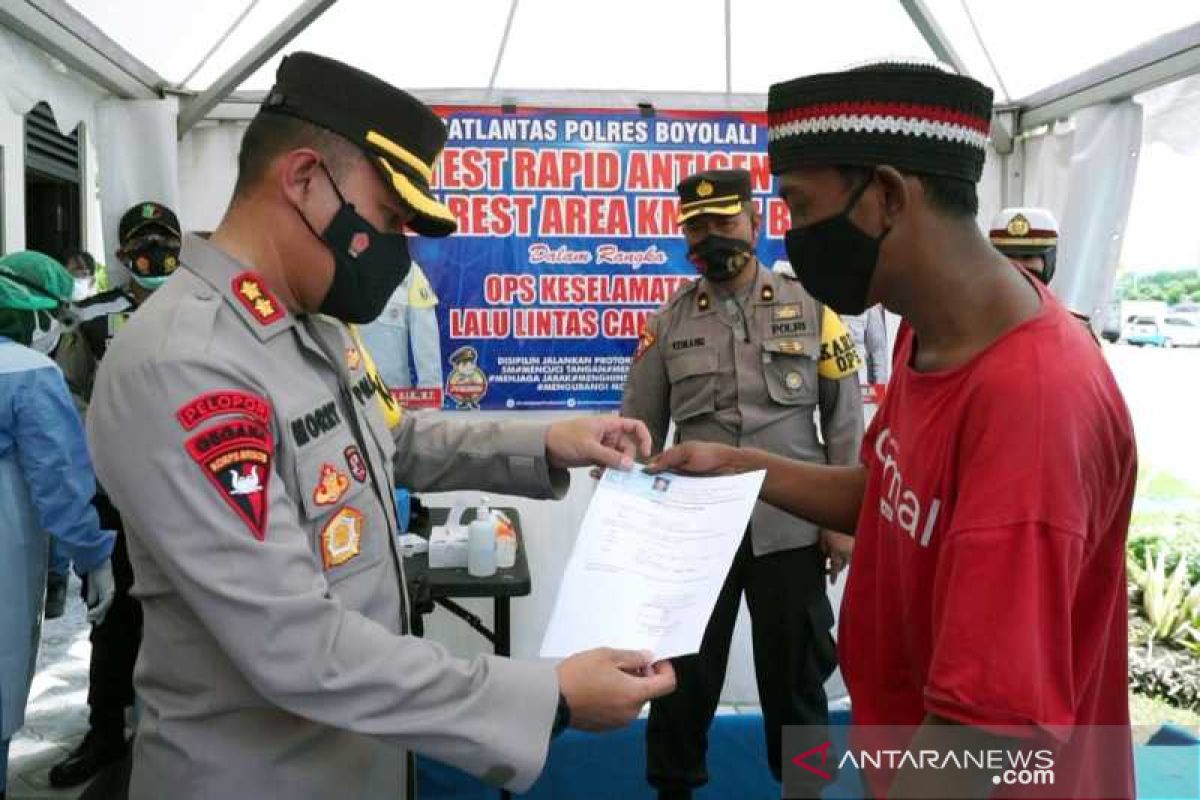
(649, 562)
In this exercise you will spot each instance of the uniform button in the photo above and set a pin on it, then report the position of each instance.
(793, 380)
(204, 295)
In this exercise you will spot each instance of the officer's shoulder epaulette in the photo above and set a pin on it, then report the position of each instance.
(686, 290)
(195, 317)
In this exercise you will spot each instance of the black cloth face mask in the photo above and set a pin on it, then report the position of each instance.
(368, 264)
(835, 259)
(720, 258)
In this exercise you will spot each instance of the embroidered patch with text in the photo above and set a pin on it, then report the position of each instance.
(228, 403)
(236, 458)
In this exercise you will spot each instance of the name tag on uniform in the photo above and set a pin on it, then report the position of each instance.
(790, 328)
(315, 423)
(688, 344)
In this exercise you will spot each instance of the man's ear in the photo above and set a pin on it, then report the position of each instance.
(895, 195)
(293, 174)
(755, 224)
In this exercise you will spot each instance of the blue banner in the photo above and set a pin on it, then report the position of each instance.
(567, 241)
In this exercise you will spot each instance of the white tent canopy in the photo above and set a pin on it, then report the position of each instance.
(163, 92)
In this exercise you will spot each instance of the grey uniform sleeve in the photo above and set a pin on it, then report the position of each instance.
(876, 345)
(647, 393)
(841, 419)
(267, 603)
(438, 453)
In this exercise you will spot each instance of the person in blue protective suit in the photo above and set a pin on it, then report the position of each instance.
(46, 478)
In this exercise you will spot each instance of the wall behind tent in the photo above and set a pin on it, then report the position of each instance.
(12, 152)
(207, 172)
(138, 155)
(29, 76)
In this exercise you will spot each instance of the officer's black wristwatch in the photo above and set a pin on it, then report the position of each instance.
(562, 717)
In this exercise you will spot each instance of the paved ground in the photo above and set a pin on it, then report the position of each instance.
(56, 717)
(1162, 389)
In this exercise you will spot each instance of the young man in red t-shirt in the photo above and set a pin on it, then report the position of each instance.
(987, 604)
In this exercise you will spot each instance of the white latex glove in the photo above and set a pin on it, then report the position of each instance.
(100, 591)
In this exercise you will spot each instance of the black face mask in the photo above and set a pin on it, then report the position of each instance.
(835, 259)
(152, 263)
(720, 258)
(368, 265)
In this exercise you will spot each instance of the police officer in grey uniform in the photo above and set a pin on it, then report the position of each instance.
(737, 357)
(252, 453)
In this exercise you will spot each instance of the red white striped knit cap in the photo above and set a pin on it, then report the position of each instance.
(915, 117)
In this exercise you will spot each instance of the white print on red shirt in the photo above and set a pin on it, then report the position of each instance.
(899, 504)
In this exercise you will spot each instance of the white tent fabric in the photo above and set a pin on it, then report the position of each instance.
(1099, 184)
(667, 45)
(28, 76)
(1173, 116)
(135, 140)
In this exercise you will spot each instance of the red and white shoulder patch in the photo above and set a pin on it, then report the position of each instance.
(236, 457)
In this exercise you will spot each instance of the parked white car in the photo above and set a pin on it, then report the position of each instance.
(1169, 330)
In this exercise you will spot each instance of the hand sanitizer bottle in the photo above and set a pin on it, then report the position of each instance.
(481, 542)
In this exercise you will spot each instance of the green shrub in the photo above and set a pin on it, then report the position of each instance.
(1178, 533)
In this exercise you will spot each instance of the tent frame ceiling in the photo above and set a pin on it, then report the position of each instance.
(67, 35)
(62, 32)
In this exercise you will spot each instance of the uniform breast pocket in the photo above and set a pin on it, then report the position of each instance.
(693, 376)
(790, 370)
(341, 511)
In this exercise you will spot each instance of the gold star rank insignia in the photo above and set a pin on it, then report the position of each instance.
(256, 298)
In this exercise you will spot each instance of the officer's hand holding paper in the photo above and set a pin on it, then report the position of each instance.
(652, 554)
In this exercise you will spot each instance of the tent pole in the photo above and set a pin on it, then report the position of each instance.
(1168, 58)
(70, 37)
(512, 12)
(728, 47)
(933, 34)
(193, 111)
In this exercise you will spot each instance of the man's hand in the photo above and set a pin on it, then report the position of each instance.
(699, 458)
(606, 688)
(604, 441)
(838, 547)
(99, 589)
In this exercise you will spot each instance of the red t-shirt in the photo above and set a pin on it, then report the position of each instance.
(988, 584)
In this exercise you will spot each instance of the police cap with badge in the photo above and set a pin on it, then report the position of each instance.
(716, 191)
(1021, 232)
(400, 135)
